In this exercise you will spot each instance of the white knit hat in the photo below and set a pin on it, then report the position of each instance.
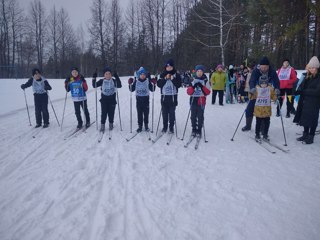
(314, 62)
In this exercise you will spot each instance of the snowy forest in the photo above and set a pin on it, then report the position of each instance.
(146, 32)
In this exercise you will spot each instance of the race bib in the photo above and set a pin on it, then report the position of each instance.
(108, 88)
(263, 98)
(169, 88)
(77, 92)
(284, 73)
(142, 88)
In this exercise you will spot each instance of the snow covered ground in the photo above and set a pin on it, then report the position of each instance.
(53, 188)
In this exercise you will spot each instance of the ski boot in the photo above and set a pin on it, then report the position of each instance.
(37, 125)
(303, 137)
(102, 127)
(46, 125)
(110, 126)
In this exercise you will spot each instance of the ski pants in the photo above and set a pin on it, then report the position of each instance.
(168, 115)
(266, 124)
(107, 110)
(41, 108)
(77, 106)
(143, 111)
(197, 118)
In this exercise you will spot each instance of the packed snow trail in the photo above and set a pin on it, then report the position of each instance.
(82, 189)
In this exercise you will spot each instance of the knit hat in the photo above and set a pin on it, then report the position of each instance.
(200, 67)
(106, 69)
(264, 61)
(263, 79)
(142, 71)
(75, 68)
(219, 66)
(170, 62)
(230, 67)
(35, 71)
(314, 62)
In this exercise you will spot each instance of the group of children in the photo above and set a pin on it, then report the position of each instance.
(142, 84)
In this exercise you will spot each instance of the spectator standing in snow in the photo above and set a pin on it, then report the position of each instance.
(287, 77)
(309, 103)
(218, 84)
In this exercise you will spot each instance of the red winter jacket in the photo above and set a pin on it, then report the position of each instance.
(78, 78)
(289, 82)
(200, 100)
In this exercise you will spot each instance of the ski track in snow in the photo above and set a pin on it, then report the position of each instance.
(77, 188)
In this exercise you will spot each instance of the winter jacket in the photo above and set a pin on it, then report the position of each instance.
(40, 86)
(108, 94)
(218, 80)
(262, 108)
(198, 95)
(247, 87)
(309, 102)
(172, 97)
(78, 87)
(287, 77)
(144, 97)
(272, 77)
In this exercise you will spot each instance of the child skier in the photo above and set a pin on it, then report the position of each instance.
(142, 86)
(77, 85)
(262, 110)
(198, 90)
(108, 100)
(169, 83)
(40, 87)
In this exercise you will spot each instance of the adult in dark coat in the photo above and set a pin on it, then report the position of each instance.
(264, 69)
(309, 102)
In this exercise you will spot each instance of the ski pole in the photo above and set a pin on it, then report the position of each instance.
(152, 116)
(284, 134)
(53, 109)
(240, 121)
(64, 109)
(238, 124)
(159, 120)
(130, 108)
(83, 106)
(96, 95)
(25, 98)
(185, 127)
(119, 109)
(204, 132)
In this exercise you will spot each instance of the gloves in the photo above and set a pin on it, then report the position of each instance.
(46, 88)
(130, 81)
(154, 81)
(253, 91)
(277, 92)
(95, 75)
(199, 84)
(22, 86)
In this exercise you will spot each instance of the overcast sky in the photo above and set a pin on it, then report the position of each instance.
(79, 10)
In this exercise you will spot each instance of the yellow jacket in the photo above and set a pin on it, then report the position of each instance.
(262, 109)
(218, 80)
